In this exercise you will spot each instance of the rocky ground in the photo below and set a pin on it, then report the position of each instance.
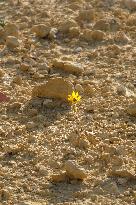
(50, 154)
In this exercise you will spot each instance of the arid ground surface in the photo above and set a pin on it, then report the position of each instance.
(49, 153)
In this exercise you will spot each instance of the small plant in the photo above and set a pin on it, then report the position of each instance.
(74, 98)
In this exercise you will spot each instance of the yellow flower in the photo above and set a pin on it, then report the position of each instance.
(74, 97)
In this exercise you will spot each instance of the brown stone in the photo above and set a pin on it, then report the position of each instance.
(132, 110)
(68, 66)
(11, 29)
(74, 171)
(60, 177)
(12, 42)
(41, 30)
(54, 88)
(122, 173)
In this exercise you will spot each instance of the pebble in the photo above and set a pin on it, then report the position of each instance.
(12, 42)
(98, 35)
(68, 66)
(60, 177)
(122, 173)
(17, 80)
(74, 171)
(30, 125)
(24, 67)
(4, 195)
(53, 33)
(1, 73)
(11, 29)
(74, 32)
(121, 90)
(79, 88)
(66, 25)
(77, 50)
(86, 35)
(32, 112)
(41, 30)
(95, 35)
(89, 90)
(15, 106)
(131, 110)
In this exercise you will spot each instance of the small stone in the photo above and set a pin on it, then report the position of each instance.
(74, 171)
(131, 20)
(17, 80)
(90, 109)
(1, 73)
(68, 66)
(113, 50)
(33, 112)
(37, 75)
(110, 24)
(89, 89)
(24, 67)
(11, 29)
(83, 143)
(78, 49)
(79, 88)
(95, 35)
(89, 159)
(87, 35)
(122, 173)
(41, 169)
(12, 42)
(4, 195)
(132, 110)
(121, 90)
(41, 30)
(74, 32)
(54, 88)
(52, 33)
(30, 125)
(66, 25)
(91, 55)
(130, 4)
(60, 177)
(16, 106)
(98, 35)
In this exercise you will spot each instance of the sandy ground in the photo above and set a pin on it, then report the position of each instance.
(50, 154)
